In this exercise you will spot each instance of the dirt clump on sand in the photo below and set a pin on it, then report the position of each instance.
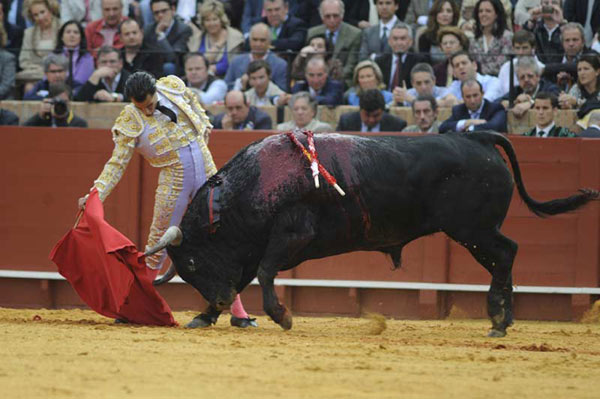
(79, 354)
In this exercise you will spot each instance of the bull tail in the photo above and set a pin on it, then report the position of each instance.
(542, 209)
(165, 278)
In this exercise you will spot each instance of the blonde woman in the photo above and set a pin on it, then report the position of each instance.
(367, 75)
(216, 39)
(39, 40)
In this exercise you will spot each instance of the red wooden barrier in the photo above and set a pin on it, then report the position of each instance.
(45, 170)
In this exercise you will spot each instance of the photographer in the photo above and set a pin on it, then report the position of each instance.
(54, 110)
(545, 22)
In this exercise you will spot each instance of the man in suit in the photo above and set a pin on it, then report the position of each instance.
(241, 116)
(322, 89)
(260, 42)
(545, 109)
(476, 113)
(396, 66)
(288, 32)
(371, 117)
(577, 11)
(425, 113)
(530, 84)
(593, 129)
(375, 38)
(136, 54)
(107, 83)
(168, 32)
(344, 37)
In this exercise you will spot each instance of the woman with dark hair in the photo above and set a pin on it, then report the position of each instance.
(72, 44)
(492, 39)
(588, 83)
(451, 40)
(318, 46)
(443, 13)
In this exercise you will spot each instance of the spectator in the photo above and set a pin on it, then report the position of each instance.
(523, 43)
(39, 40)
(545, 110)
(55, 71)
(322, 89)
(423, 84)
(105, 31)
(260, 42)
(7, 67)
(476, 113)
(451, 40)
(371, 117)
(317, 46)
(55, 110)
(136, 54)
(367, 76)
(465, 68)
(262, 90)
(169, 32)
(85, 11)
(588, 83)
(530, 84)
(208, 88)
(218, 41)
(107, 83)
(565, 71)
(425, 113)
(288, 32)
(306, 10)
(8, 118)
(375, 39)
(443, 13)
(71, 43)
(467, 15)
(304, 111)
(239, 115)
(492, 37)
(396, 66)
(14, 35)
(577, 11)
(524, 9)
(545, 25)
(344, 37)
(356, 13)
(593, 129)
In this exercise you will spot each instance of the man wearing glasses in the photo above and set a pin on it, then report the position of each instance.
(170, 33)
(107, 83)
(55, 71)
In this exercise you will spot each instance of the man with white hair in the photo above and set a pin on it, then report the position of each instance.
(105, 31)
(345, 38)
(260, 43)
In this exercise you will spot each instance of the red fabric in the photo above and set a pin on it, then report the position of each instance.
(94, 37)
(108, 272)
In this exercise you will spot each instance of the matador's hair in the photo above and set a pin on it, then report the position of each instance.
(139, 85)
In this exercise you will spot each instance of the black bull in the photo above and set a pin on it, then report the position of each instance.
(398, 189)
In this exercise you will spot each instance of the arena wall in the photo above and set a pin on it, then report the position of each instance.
(45, 171)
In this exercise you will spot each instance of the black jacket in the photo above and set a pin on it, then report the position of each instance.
(256, 120)
(494, 113)
(74, 121)
(8, 118)
(385, 64)
(351, 122)
(590, 132)
(548, 49)
(87, 91)
(175, 44)
(576, 11)
(291, 36)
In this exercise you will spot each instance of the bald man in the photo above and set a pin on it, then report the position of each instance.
(239, 115)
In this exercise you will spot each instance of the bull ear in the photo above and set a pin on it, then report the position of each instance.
(173, 236)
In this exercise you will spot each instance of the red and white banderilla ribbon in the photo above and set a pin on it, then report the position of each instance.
(312, 157)
(314, 164)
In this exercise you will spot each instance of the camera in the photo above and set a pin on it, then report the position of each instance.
(547, 10)
(60, 106)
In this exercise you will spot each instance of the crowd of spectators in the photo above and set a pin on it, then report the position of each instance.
(484, 58)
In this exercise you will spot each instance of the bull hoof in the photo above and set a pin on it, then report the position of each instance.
(496, 333)
(243, 323)
(286, 320)
(198, 322)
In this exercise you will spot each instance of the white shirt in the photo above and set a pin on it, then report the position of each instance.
(460, 125)
(545, 131)
(504, 74)
(365, 128)
(492, 89)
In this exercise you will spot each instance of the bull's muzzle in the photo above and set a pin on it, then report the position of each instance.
(173, 236)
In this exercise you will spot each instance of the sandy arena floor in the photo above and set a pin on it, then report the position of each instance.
(79, 354)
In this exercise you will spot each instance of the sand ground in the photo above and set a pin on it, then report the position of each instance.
(79, 354)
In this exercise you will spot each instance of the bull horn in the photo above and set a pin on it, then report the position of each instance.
(173, 236)
(165, 278)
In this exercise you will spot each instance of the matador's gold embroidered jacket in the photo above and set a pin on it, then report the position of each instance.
(157, 141)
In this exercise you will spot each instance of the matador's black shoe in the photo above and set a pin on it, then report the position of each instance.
(243, 323)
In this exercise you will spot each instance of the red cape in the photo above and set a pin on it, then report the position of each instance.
(108, 272)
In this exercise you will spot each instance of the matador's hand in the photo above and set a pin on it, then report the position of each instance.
(81, 202)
